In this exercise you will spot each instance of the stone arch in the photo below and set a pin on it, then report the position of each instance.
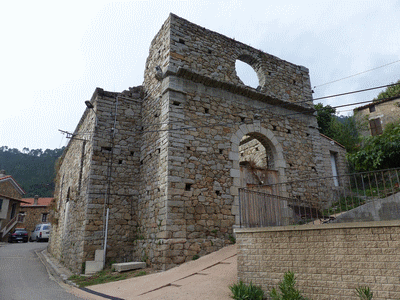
(267, 138)
(256, 64)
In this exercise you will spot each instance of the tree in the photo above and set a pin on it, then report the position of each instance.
(32, 169)
(342, 129)
(325, 116)
(379, 152)
(390, 91)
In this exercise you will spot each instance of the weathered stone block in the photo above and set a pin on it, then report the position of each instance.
(128, 266)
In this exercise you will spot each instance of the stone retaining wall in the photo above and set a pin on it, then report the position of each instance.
(329, 261)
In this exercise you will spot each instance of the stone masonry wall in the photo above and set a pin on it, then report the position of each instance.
(115, 174)
(164, 157)
(213, 55)
(205, 107)
(255, 151)
(33, 216)
(329, 261)
(387, 111)
(202, 191)
(68, 229)
(7, 189)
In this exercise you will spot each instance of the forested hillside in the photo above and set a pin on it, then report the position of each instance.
(32, 169)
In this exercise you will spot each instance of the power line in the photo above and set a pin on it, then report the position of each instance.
(359, 91)
(187, 127)
(281, 105)
(357, 74)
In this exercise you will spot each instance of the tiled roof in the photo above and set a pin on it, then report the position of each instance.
(328, 138)
(41, 201)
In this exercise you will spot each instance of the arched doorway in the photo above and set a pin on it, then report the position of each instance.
(258, 160)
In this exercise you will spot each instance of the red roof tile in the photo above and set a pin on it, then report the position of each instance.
(41, 201)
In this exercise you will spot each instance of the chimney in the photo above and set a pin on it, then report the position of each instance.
(35, 201)
(2, 173)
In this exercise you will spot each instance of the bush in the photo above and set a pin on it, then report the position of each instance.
(242, 291)
(364, 293)
(287, 289)
(378, 152)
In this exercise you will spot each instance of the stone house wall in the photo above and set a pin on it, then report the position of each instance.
(388, 111)
(33, 216)
(8, 189)
(99, 169)
(329, 261)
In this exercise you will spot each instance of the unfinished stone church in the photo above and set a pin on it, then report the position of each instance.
(167, 158)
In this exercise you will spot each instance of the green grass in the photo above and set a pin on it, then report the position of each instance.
(98, 278)
(140, 273)
(344, 204)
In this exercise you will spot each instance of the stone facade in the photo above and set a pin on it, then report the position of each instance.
(8, 188)
(164, 157)
(329, 260)
(36, 211)
(373, 118)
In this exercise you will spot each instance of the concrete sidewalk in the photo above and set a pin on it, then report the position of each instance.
(209, 277)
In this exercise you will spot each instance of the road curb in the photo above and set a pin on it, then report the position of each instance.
(55, 271)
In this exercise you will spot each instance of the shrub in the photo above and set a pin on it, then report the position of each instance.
(364, 293)
(242, 291)
(287, 289)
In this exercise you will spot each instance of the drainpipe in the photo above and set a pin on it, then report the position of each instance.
(105, 239)
(109, 172)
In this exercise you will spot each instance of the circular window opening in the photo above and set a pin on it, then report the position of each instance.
(246, 74)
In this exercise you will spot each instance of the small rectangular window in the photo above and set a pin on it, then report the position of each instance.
(21, 217)
(44, 218)
(372, 108)
(375, 126)
(1, 203)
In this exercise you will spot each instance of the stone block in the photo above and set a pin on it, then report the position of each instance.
(120, 267)
(99, 255)
(92, 267)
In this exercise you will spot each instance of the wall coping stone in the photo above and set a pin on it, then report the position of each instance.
(372, 224)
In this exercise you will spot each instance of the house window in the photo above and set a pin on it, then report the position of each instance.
(13, 210)
(21, 217)
(1, 203)
(334, 168)
(44, 218)
(375, 126)
(372, 108)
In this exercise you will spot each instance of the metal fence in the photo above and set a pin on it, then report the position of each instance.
(367, 196)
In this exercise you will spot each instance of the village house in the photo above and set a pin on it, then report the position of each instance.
(374, 117)
(10, 202)
(36, 211)
(155, 171)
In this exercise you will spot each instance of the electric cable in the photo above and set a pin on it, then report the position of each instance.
(393, 62)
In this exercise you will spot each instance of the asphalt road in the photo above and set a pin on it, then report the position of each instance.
(23, 276)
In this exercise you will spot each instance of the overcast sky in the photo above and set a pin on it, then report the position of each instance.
(55, 53)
